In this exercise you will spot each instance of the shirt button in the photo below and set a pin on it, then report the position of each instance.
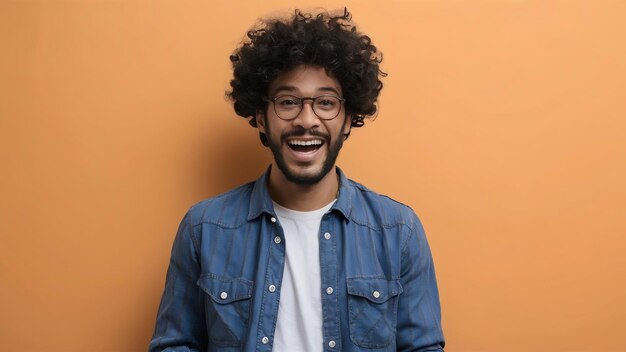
(277, 239)
(273, 219)
(329, 290)
(331, 344)
(327, 235)
(272, 288)
(223, 295)
(265, 340)
(376, 294)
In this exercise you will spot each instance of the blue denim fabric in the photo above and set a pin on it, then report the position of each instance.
(373, 253)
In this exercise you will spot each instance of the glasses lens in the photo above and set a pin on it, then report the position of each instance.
(327, 107)
(287, 106)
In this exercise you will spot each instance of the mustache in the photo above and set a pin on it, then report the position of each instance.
(301, 132)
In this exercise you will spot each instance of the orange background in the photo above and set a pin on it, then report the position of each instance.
(502, 123)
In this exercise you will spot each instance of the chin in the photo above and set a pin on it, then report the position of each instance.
(305, 177)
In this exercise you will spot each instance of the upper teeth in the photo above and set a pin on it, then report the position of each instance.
(305, 143)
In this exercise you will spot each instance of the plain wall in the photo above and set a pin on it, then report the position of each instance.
(502, 123)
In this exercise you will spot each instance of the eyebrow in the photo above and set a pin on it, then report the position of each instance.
(292, 89)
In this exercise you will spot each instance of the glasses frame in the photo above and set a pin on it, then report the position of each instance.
(302, 100)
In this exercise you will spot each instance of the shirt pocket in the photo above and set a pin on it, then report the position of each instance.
(227, 308)
(373, 306)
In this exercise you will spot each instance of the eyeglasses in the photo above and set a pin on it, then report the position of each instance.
(288, 107)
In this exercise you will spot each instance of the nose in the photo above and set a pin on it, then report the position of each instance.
(307, 118)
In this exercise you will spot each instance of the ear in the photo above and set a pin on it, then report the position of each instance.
(347, 128)
(260, 121)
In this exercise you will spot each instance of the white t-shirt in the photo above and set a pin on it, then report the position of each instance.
(299, 321)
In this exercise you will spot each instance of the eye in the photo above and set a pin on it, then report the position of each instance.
(287, 101)
(326, 102)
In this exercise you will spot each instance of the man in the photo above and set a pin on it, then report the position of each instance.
(303, 259)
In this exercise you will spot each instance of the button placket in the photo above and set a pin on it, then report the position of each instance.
(329, 271)
(270, 300)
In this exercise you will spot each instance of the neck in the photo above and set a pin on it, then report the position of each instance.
(302, 197)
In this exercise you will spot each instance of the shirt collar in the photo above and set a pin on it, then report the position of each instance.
(344, 198)
(261, 202)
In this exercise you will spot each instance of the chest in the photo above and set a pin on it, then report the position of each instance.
(349, 249)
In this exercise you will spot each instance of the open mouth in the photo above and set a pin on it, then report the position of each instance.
(305, 146)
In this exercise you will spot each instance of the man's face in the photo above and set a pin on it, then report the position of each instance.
(305, 149)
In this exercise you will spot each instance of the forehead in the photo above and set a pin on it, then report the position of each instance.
(306, 81)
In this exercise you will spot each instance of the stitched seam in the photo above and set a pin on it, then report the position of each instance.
(380, 227)
(405, 244)
(221, 224)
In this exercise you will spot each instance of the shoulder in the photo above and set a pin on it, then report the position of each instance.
(228, 209)
(378, 210)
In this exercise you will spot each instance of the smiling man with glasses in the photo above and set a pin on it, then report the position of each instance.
(303, 259)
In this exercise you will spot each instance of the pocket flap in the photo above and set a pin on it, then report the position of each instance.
(224, 290)
(375, 290)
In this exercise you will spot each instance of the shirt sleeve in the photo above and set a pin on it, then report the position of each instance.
(419, 310)
(180, 323)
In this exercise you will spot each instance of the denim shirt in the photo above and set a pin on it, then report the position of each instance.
(231, 248)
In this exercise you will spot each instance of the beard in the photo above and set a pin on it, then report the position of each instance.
(327, 164)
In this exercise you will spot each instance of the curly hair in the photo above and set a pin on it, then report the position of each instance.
(325, 40)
